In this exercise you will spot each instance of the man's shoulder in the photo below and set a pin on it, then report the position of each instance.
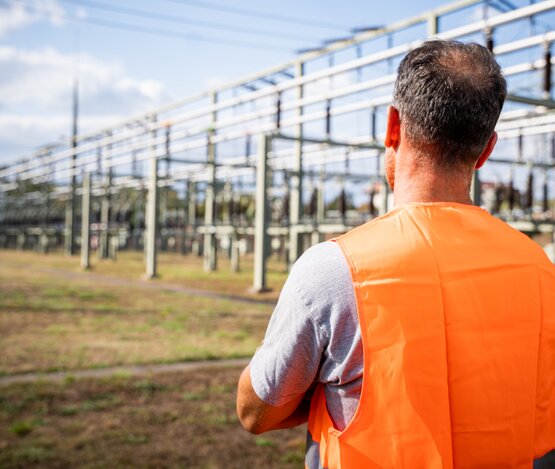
(322, 263)
(322, 278)
(521, 241)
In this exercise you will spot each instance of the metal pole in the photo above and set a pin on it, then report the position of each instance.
(261, 216)
(71, 247)
(296, 195)
(210, 260)
(152, 213)
(86, 221)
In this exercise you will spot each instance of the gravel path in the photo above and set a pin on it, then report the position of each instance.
(131, 369)
(154, 285)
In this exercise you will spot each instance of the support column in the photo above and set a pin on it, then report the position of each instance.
(234, 253)
(547, 72)
(152, 213)
(476, 189)
(70, 226)
(105, 216)
(384, 206)
(210, 260)
(138, 214)
(86, 221)
(317, 237)
(261, 216)
(105, 204)
(433, 25)
(192, 212)
(296, 194)
(185, 219)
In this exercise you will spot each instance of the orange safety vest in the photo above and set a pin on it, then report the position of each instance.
(457, 317)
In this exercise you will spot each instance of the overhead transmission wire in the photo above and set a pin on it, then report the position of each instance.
(261, 14)
(183, 20)
(150, 30)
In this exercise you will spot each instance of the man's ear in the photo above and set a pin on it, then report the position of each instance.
(393, 128)
(487, 151)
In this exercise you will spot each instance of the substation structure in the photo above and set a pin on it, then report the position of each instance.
(288, 157)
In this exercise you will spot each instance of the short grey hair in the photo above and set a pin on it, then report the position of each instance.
(449, 96)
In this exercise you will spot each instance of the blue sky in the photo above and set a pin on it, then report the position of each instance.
(123, 73)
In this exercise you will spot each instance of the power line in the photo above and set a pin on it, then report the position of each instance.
(261, 14)
(154, 31)
(182, 20)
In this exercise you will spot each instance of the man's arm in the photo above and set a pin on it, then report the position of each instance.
(256, 416)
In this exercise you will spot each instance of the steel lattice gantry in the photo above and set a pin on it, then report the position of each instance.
(185, 176)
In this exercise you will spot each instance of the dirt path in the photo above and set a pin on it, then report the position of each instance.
(131, 369)
(149, 284)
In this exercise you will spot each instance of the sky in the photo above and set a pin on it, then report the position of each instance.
(45, 44)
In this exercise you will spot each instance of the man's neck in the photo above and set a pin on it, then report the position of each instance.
(426, 185)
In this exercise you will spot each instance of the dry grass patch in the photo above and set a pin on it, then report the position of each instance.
(48, 322)
(170, 420)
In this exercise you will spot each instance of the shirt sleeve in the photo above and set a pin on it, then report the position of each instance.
(287, 362)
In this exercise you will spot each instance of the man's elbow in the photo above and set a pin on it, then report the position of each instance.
(250, 421)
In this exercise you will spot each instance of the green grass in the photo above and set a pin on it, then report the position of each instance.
(260, 441)
(49, 322)
(22, 428)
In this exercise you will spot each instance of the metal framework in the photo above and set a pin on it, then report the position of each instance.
(290, 153)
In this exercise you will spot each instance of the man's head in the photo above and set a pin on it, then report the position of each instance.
(449, 96)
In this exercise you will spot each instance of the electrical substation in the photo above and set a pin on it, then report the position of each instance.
(275, 162)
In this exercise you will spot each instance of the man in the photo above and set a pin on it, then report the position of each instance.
(426, 337)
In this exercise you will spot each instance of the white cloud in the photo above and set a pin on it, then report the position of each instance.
(44, 77)
(18, 15)
(36, 89)
(20, 134)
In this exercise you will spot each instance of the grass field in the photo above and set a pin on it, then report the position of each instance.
(54, 317)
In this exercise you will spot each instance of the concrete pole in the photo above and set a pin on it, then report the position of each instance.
(261, 216)
(86, 221)
(210, 260)
(296, 194)
(152, 213)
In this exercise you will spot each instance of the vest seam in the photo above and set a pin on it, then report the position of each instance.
(540, 328)
(427, 241)
(356, 416)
